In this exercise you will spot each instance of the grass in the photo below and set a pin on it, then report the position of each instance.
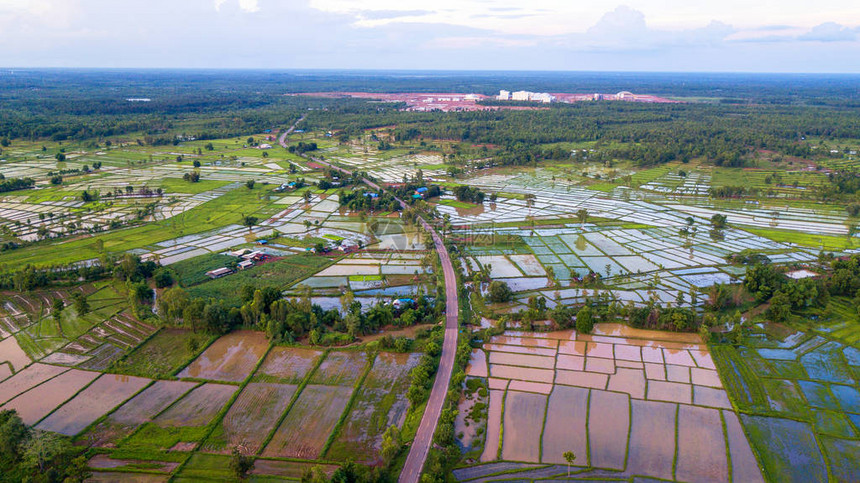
(152, 437)
(193, 271)
(161, 355)
(603, 187)
(824, 242)
(742, 384)
(177, 185)
(456, 204)
(280, 273)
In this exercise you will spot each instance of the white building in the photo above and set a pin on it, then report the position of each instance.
(521, 96)
(504, 95)
(542, 97)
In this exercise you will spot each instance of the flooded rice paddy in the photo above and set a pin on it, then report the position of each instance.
(230, 358)
(631, 402)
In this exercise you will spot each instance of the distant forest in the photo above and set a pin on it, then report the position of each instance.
(734, 113)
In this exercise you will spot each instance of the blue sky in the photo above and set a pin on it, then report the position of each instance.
(636, 35)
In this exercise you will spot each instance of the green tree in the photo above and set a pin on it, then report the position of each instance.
(582, 215)
(163, 278)
(57, 307)
(499, 292)
(240, 464)
(42, 448)
(719, 221)
(584, 320)
(391, 444)
(250, 184)
(315, 474)
(142, 293)
(13, 434)
(82, 305)
(249, 221)
(780, 307)
(570, 458)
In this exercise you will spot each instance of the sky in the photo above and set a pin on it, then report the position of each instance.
(549, 35)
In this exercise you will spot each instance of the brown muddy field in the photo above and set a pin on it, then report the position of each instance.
(11, 352)
(287, 365)
(29, 377)
(619, 399)
(36, 403)
(477, 364)
(652, 438)
(107, 392)
(380, 403)
(608, 425)
(524, 414)
(230, 358)
(700, 432)
(252, 417)
(340, 368)
(198, 407)
(140, 409)
(565, 429)
(309, 422)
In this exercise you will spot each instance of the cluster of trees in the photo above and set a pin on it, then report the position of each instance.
(785, 295)
(726, 135)
(469, 194)
(28, 454)
(368, 201)
(192, 177)
(15, 184)
(732, 192)
(31, 278)
(302, 147)
(285, 319)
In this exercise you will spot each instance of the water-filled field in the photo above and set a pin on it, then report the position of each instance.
(631, 402)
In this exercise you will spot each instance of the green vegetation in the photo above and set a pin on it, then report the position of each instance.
(163, 354)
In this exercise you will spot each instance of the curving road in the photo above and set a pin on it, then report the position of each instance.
(411, 472)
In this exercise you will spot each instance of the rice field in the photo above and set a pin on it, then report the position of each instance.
(251, 418)
(628, 403)
(304, 431)
(380, 402)
(105, 393)
(230, 358)
(799, 393)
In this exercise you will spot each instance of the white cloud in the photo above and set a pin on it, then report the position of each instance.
(829, 32)
(249, 6)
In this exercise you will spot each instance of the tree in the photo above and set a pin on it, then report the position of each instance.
(584, 320)
(582, 215)
(142, 293)
(719, 221)
(570, 458)
(250, 184)
(780, 307)
(82, 305)
(315, 474)
(171, 303)
(163, 278)
(240, 464)
(391, 444)
(249, 221)
(44, 447)
(57, 309)
(13, 434)
(499, 292)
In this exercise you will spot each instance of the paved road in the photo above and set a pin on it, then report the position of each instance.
(424, 437)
